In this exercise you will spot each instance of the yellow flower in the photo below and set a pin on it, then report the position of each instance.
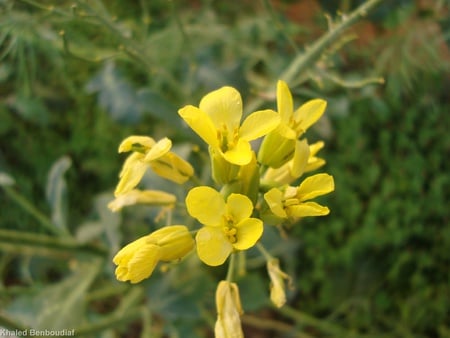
(278, 146)
(277, 287)
(138, 259)
(150, 154)
(227, 225)
(229, 311)
(217, 121)
(151, 197)
(292, 203)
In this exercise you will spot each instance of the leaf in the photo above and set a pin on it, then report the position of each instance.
(58, 306)
(108, 224)
(115, 94)
(56, 191)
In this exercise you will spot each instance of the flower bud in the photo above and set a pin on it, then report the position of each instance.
(138, 259)
(229, 310)
(277, 285)
(174, 241)
(223, 171)
(276, 150)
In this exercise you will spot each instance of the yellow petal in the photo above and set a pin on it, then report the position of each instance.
(259, 124)
(307, 209)
(206, 204)
(274, 199)
(240, 154)
(126, 253)
(172, 167)
(249, 231)
(315, 185)
(175, 241)
(213, 247)
(309, 113)
(201, 123)
(143, 263)
(315, 147)
(239, 207)
(224, 107)
(286, 131)
(136, 260)
(161, 148)
(300, 159)
(143, 142)
(151, 197)
(132, 172)
(285, 104)
(314, 163)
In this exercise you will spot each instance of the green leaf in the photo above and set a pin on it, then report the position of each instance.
(115, 94)
(58, 306)
(107, 224)
(56, 191)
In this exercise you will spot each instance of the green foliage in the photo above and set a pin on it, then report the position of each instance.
(76, 77)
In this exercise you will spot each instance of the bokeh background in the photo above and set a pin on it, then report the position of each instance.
(76, 77)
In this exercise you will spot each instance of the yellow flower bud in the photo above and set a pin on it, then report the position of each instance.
(246, 182)
(223, 171)
(276, 150)
(174, 242)
(138, 259)
(292, 169)
(229, 310)
(277, 286)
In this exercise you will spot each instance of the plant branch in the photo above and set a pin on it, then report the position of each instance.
(26, 242)
(44, 221)
(303, 61)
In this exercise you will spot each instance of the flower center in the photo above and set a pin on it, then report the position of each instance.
(231, 233)
(227, 139)
(295, 125)
(290, 201)
(229, 229)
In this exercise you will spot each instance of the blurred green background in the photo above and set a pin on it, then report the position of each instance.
(76, 77)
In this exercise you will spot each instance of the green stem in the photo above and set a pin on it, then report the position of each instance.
(231, 267)
(43, 220)
(273, 325)
(305, 319)
(25, 242)
(264, 251)
(115, 320)
(303, 61)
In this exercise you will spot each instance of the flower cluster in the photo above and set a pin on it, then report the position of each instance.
(249, 189)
